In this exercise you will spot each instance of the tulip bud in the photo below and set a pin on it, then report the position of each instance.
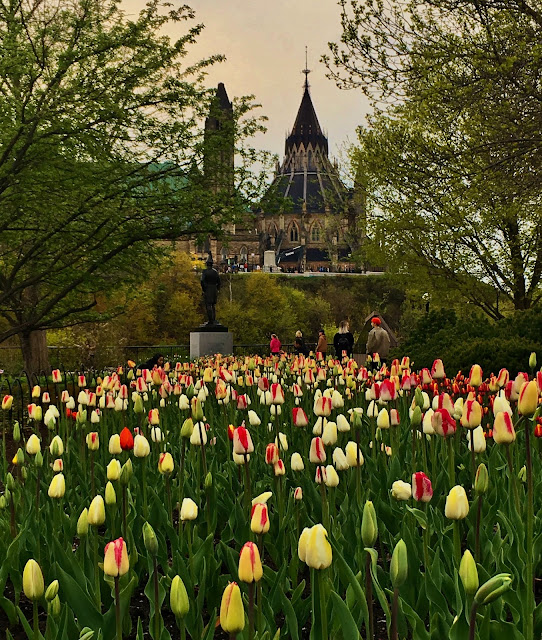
(232, 615)
(82, 523)
(189, 509)
(33, 445)
(33, 585)
(528, 398)
(522, 474)
(110, 495)
(165, 463)
(259, 521)
(38, 460)
(96, 512)
(314, 548)
(149, 539)
(369, 525)
(19, 457)
(113, 470)
(493, 588)
(356, 420)
(468, 573)
(54, 607)
(86, 634)
(52, 591)
(457, 504)
(296, 462)
(126, 473)
(16, 431)
(116, 562)
(481, 481)
(57, 488)
(418, 397)
(399, 564)
(208, 482)
(10, 481)
(187, 428)
(416, 417)
(250, 565)
(532, 360)
(56, 447)
(178, 598)
(298, 493)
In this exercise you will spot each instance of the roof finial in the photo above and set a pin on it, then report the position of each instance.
(306, 70)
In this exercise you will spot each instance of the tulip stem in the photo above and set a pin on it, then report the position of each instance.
(156, 604)
(168, 498)
(259, 602)
(513, 480)
(124, 511)
(189, 541)
(394, 613)
(182, 628)
(369, 594)
(92, 482)
(529, 631)
(426, 540)
(457, 542)
(472, 623)
(203, 460)
(477, 531)
(144, 483)
(36, 623)
(251, 611)
(97, 594)
(325, 510)
(117, 609)
(320, 592)
(247, 483)
(451, 463)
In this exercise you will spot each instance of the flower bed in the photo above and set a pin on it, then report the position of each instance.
(286, 497)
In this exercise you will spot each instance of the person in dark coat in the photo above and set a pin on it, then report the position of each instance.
(157, 360)
(210, 284)
(300, 347)
(321, 347)
(343, 341)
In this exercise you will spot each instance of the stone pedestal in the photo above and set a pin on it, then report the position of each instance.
(210, 339)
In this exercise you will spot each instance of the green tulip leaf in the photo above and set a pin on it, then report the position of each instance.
(342, 618)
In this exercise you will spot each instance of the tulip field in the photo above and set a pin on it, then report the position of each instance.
(287, 497)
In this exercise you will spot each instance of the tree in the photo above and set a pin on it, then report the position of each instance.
(452, 152)
(101, 155)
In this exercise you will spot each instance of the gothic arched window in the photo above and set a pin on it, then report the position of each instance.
(315, 232)
(243, 253)
(294, 233)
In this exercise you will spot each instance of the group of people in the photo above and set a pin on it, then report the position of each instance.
(378, 342)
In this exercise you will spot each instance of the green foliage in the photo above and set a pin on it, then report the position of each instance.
(463, 341)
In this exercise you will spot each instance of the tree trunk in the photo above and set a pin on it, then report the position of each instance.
(35, 353)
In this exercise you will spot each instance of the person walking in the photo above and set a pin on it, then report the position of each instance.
(321, 347)
(343, 341)
(274, 345)
(378, 341)
(300, 347)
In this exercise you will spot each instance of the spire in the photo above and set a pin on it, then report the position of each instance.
(306, 130)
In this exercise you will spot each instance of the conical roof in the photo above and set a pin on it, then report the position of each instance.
(306, 128)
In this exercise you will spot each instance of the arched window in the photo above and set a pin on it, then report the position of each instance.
(224, 254)
(294, 233)
(315, 232)
(243, 254)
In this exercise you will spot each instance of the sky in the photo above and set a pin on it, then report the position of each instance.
(264, 43)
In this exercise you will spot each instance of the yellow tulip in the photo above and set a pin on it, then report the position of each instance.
(232, 614)
(33, 585)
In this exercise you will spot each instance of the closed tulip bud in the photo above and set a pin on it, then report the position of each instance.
(165, 463)
(95, 417)
(19, 457)
(532, 360)
(114, 445)
(110, 495)
(475, 377)
(113, 470)
(38, 460)
(142, 447)
(383, 419)
(296, 462)
(199, 435)
(54, 607)
(399, 564)
(317, 452)
(522, 474)
(457, 504)
(314, 548)
(253, 419)
(356, 420)
(187, 428)
(4, 500)
(178, 598)
(250, 565)
(339, 459)
(232, 615)
(443, 423)
(126, 473)
(471, 416)
(282, 441)
(189, 509)
(93, 441)
(298, 493)
(416, 417)
(528, 398)
(116, 562)
(33, 445)
(468, 573)
(493, 588)
(36, 391)
(422, 489)
(503, 428)
(331, 478)
(197, 410)
(208, 482)
(82, 523)
(481, 481)
(329, 434)
(369, 525)
(7, 402)
(149, 539)
(259, 520)
(139, 407)
(342, 423)
(271, 453)
(52, 591)
(96, 512)
(477, 440)
(242, 442)
(354, 457)
(401, 490)
(33, 585)
(418, 397)
(57, 488)
(16, 431)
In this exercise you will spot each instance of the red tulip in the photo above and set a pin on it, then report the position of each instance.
(422, 490)
(299, 417)
(443, 423)
(126, 439)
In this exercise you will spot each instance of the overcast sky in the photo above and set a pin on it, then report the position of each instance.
(264, 43)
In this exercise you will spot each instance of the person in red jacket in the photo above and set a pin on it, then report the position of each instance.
(274, 345)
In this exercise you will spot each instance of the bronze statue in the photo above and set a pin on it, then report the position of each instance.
(210, 283)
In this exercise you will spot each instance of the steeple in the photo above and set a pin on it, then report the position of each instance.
(306, 130)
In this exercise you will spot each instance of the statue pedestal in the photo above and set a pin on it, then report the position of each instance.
(209, 339)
